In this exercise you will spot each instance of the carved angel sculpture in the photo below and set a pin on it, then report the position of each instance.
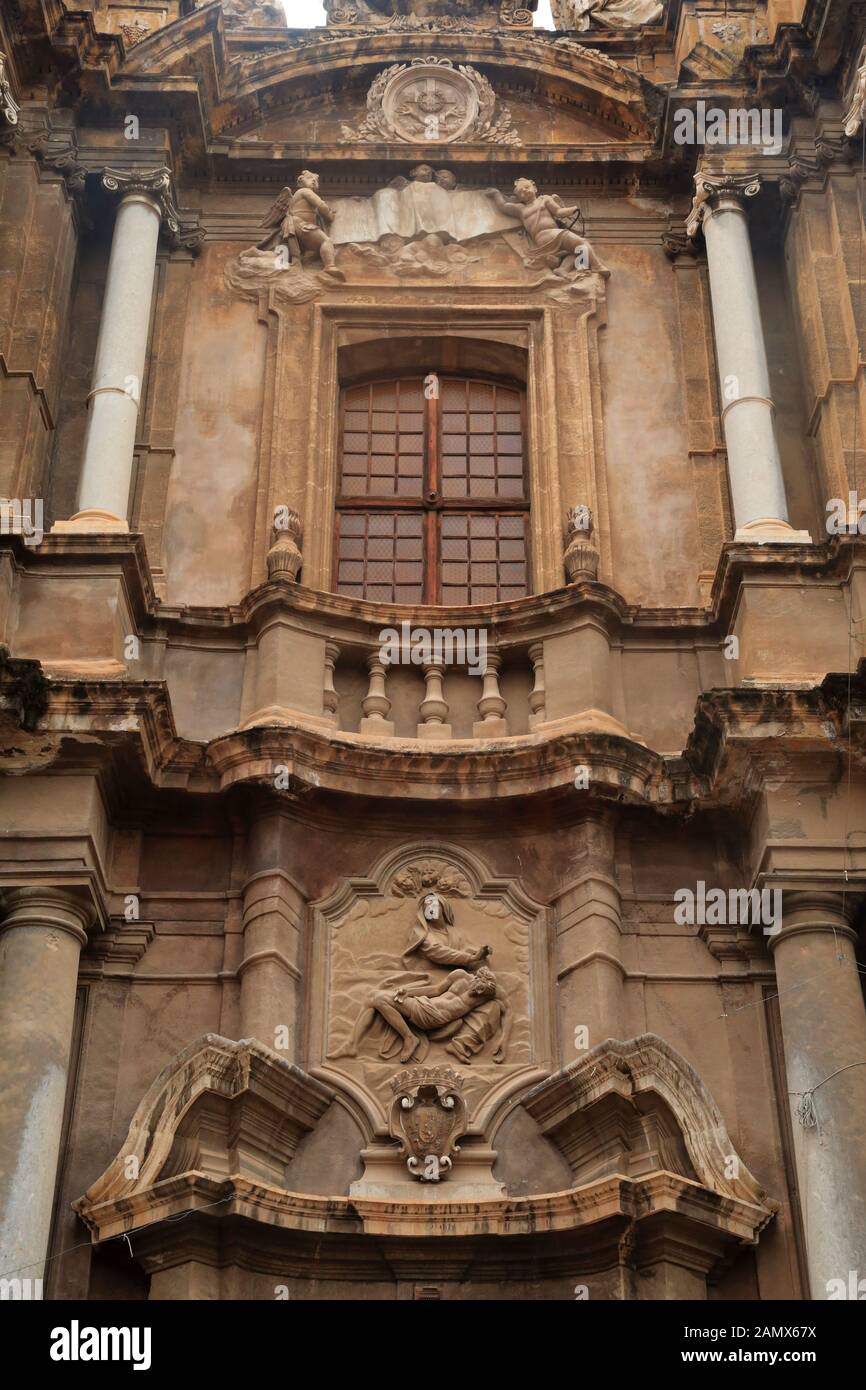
(298, 221)
(556, 245)
(611, 14)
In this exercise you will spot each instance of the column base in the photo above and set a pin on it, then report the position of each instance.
(434, 731)
(771, 530)
(490, 728)
(92, 521)
(375, 727)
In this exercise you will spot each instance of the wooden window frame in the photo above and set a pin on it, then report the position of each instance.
(430, 501)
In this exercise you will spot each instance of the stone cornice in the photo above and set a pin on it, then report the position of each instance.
(642, 1071)
(518, 622)
(190, 64)
(593, 1214)
(737, 740)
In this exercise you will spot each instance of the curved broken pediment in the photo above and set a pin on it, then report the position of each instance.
(640, 1103)
(214, 1137)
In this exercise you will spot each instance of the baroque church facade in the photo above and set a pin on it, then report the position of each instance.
(432, 619)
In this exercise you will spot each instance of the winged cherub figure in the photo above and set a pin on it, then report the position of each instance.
(298, 221)
(557, 246)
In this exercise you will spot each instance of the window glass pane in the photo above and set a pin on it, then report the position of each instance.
(497, 568)
(380, 556)
(482, 423)
(478, 456)
(383, 422)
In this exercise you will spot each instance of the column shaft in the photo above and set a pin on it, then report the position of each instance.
(754, 465)
(40, 943)
(824, 1031)
(590, 972)
(109, 446)
(270, 972)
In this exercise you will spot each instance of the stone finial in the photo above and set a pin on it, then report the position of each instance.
(581, 556)
(710, 187)
(284, 557)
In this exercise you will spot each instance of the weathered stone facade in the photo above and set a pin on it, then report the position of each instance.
(535, 972)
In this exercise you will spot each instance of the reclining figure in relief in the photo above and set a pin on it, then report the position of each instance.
(468, 1008)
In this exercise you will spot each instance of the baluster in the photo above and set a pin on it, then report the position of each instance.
(434, 706)
(491, 706)
(538, 694)
(330, 698)
(376, 705)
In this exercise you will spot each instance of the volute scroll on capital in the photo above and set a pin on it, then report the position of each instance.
(158, 185)
(710, 188)
(9, 109)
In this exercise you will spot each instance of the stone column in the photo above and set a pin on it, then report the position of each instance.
(824, 1032)
(109, 445)
(754, 466)
(41, 937)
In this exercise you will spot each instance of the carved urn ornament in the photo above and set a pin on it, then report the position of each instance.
(284, 557)
(581, 556)
(428, 1116)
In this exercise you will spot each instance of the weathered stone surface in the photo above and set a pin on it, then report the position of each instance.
(280, 910)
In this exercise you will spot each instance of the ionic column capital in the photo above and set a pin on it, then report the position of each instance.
(714, 190)
(45, 906)
(154, 186)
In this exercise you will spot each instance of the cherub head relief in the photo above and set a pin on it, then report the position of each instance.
(525, 190)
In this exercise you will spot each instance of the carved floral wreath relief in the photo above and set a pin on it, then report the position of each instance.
(430, 101)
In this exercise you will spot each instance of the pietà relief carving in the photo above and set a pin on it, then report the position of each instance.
(466, 1009)
(428, 965)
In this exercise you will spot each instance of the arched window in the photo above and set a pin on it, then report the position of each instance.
(432, 502)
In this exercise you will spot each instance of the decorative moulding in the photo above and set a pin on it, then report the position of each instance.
(432, 101)
(221, 1108)
(646, 1073)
